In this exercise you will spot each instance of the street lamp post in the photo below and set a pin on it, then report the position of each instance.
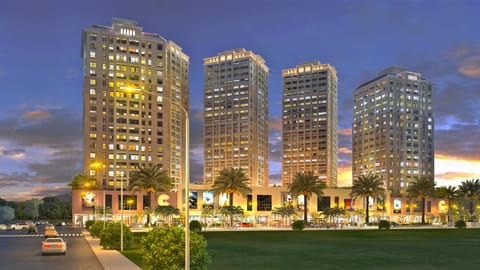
(187, 179)
(121, 214)
(187, 193)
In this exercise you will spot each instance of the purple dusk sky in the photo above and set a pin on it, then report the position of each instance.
(41, 71)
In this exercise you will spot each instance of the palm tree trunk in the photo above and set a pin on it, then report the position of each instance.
(423, 210)
(150, 206)
(366, 210)
(231, 205)
(448, 212)
(471, 210)
(305, 211)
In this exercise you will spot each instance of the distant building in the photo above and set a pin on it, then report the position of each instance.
(135, 100)
(236, 115)
(309, 122)
(393, 128)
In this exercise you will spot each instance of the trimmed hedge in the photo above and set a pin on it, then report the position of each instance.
(460, 224)
(384, 224)
(195, 226)
(298, 225)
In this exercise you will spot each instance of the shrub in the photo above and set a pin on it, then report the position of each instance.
(195, 226)
(164, 248)
(384, 224)
(460, 224)
(89, 223)
(96, 229)
(110, 236)
(298, 225)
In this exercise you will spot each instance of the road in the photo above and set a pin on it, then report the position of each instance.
(21, 251)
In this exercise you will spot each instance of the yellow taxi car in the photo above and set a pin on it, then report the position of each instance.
(51, 233)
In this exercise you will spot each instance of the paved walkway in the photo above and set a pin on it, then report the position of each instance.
(109, 259)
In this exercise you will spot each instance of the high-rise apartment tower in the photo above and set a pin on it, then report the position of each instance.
(309, 122)
(236, 115)
(135, 100)
(393, 128)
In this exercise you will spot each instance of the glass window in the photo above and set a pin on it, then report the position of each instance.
(264, 202)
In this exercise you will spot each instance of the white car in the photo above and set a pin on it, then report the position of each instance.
(54, 245)
(17, 226)
(3, 227)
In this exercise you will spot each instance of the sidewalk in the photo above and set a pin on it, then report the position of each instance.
(109, 259)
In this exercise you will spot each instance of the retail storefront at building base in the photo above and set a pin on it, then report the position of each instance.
(258, 207)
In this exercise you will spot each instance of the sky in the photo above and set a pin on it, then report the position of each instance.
(41, 71)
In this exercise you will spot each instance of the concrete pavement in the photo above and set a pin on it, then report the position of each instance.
(109, 259)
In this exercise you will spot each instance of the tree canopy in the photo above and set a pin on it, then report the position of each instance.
(231, 181)
(306, 183)
(422, 188)
(367, 185)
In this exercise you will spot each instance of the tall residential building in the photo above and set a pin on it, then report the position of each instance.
(236, 115)
(309, 122)
(393, 128)
(135, 101)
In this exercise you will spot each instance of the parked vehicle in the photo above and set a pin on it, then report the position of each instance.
(54, 245)
(18, 226)
(3, 227)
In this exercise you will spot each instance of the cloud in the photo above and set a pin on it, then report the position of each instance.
(36, 115)
(460, 142)
(345, 132)
(275, 179)
(58, 129)
(344, 150)
(344, 175)
(275, 124)
(14, 153)
(275, 146)
(13, 180)
(456, 175)
(470, 67)
(38, 192)
(59, 168)
(467, 58)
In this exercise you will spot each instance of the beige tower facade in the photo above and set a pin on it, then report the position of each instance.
(236, 115)
(309, 122)
(393, 128)
(135, 100)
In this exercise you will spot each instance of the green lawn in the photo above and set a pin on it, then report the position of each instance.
(344, 249)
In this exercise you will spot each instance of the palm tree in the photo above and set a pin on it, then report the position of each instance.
(285, 212)
(367, 185)
(422, 188)
(470, 190)
(150, 179)
(449, 193)
(167, 212)
(305, 183)
(232, 212)
(231, 181)
(334, 213)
